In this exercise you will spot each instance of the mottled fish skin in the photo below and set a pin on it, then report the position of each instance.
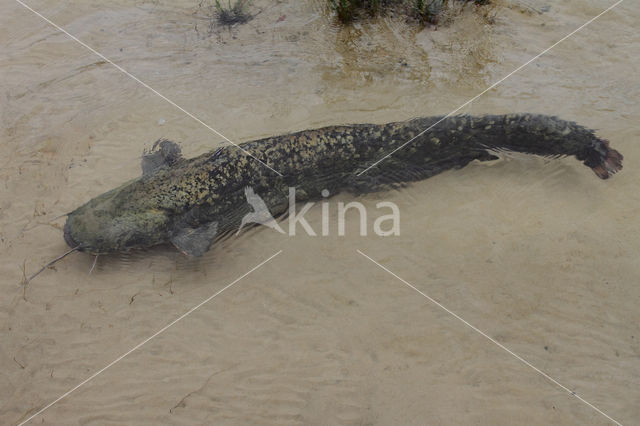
(210, 188)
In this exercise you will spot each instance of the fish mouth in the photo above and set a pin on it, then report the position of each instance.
(67, 236)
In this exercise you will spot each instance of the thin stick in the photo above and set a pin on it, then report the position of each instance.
(95, 260)
(50, 263)
(24, 280)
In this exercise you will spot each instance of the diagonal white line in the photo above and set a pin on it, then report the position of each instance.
(500, 345)
(26, 6)
(491, 87)
(163, 329)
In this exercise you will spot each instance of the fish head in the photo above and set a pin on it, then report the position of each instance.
(117, 221)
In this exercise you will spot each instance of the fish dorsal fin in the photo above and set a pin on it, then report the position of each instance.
(195, 241)
(163, 154)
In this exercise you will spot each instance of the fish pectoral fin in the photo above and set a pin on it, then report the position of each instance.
(163, 154)
(195, 241)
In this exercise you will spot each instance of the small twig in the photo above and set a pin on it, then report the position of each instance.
(95, 260)
(17, 362)
(170, 284)
(24, 280)
(182, 402)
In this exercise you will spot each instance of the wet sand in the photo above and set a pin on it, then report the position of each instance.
(538, 253)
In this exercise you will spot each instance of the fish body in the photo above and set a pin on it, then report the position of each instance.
(191, 202)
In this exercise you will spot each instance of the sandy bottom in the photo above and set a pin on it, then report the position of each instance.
(539, 254)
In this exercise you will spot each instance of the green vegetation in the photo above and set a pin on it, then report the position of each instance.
(427, 10)
(347, 10)
(423, 10)
(229, 14)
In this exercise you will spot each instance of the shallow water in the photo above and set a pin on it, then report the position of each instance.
(537, 253)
